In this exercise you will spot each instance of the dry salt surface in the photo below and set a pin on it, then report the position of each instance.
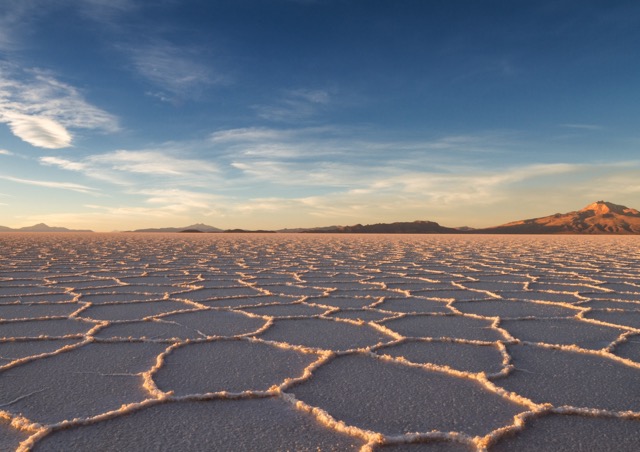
(319, 342)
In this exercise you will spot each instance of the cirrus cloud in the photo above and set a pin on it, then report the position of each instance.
(41, 110)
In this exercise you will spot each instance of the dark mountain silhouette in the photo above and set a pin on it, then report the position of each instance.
(41, 227)
(199, 227)
(601, 217)
(415, 227)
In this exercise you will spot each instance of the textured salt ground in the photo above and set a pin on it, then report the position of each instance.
(49, 328)
(286, 310)
(84, 382)
(106, 378)
(459, 356)
(344, 302)
(11, 351)
(513, 309)
(575, 433)
(358, 314)
(567, 377)
(562, 331)
(413, 400)
(133, 311)
(629, 349)
(192, 325)
(252, 424)
(444, 326)
(324, 334)
(629, 319)
(431, 446)
(34, 311)
(413, 305)
(10, 438)
(234, 366)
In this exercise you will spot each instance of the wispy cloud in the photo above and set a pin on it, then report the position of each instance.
(582, 126)
(152, 162)
(40, 110)
(125, 167)
(51, 184)
(177, 71)
(294, 105)
(5, 152)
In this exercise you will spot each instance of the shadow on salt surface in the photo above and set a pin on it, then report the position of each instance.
(513, 309)
(629, 319)
(324, 334)
(394, 399)
(229, 365)
(576, 433)
(629, 349)
(459, 295)
(10, 438)
(494, 286)
(81, 382)
(563, 332)
(363, 315)
(199, 295)
(411, 305)
(248, 301)
(8, 291)
(542, 296)
(125, 290)
(38, 328)
(12, 350)
(286, 310)
(118, 298)
(32, 311)
(459, 356)
(297, 290)
(454, 326)
(571, 377)
(46, 298)
(132, 311)
(343, 302)
(431, 446)
(190, 325)
(626, 305)
(217, 425)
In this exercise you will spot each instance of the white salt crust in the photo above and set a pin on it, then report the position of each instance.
(360, 342)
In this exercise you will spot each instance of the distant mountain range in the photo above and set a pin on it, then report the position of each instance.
(600, 217)
(414, 227)
(41, 227)
(199, 227)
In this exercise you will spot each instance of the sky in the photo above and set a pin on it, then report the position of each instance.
(126, 114)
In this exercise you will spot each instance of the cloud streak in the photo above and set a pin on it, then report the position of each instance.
(177, 71)
(40, 110)
(51, 184)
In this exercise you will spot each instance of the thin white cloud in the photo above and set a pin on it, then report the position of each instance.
(40, 110)
(177, 71)
(5, 152)
(152, 162)
(294, 105)
(135, 168)
(63, 163)
(249, 134)
(582, 126)
(51, 184)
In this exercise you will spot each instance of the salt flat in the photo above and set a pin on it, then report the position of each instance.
(319, 342)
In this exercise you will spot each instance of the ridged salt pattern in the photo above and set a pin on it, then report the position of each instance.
(319, 342)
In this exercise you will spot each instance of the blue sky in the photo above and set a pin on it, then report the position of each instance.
(120, 114)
